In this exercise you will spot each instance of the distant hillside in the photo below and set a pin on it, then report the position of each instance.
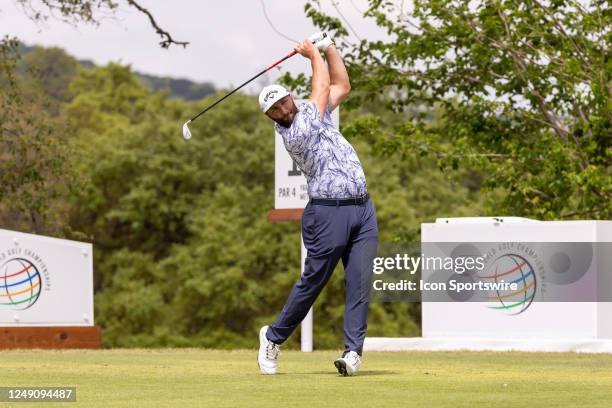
(179, 88)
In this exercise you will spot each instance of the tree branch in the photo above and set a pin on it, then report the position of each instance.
(167, 38)
(581, 53)
(520, 65)
(595, 210)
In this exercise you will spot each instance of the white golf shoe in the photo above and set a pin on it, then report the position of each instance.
(267, 359)
(348, 364)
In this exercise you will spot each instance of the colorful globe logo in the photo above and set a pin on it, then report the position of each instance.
(20, 284)
(512, 268)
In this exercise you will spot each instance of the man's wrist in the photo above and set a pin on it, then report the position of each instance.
(330, 48)
(315, 54)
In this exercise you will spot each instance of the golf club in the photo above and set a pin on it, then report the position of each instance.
(187, 132)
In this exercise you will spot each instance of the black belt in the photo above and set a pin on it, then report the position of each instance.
(341, 201)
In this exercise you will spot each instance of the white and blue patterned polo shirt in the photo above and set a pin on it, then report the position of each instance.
(326, 158)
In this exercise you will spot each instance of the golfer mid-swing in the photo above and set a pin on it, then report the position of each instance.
(339, 221)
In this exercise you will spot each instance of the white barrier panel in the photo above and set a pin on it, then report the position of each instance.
(45, 281)
(542, 326)
(541, 320)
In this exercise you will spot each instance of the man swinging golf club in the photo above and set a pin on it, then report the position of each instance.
(339, 221)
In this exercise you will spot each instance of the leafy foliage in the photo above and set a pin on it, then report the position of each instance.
(522, 88)
(32, 150)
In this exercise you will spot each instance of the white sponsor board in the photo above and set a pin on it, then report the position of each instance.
(530, 326)
(290, 188)
(45, 281)
(522, 320)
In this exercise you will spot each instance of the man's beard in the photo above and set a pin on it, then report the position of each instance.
(287, 120)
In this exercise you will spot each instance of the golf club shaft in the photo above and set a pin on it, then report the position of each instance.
(255, 77)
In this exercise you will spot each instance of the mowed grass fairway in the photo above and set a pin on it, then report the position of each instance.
(215, 378)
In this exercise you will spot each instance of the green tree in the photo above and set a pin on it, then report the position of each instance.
(170, 218)
(522, 88)
(52, 70)
(33, 145)
(32, 151)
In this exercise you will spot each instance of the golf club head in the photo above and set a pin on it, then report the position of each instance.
(186, 131)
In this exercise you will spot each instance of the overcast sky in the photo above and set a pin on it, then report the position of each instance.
(230, 40)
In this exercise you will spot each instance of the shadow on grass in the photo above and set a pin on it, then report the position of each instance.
(365, 373)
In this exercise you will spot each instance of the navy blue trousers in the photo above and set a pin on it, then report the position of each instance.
(331, 233)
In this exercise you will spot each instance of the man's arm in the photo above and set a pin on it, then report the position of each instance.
(320, 85)
(339, 80)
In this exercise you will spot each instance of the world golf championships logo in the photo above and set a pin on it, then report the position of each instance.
(512, 268)
(20, 284)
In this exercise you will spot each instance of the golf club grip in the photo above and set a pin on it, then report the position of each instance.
(245, 83)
